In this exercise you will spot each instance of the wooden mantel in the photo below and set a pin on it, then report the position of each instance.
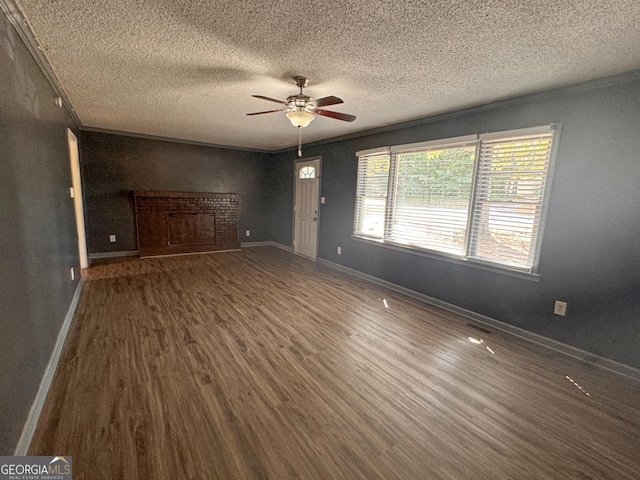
(186, 222)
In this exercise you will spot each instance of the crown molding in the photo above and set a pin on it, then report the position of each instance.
(158, 138)
(586, 86)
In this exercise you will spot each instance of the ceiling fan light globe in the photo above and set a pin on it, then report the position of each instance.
(300, 118)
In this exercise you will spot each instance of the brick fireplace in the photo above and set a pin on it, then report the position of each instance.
(186, 222)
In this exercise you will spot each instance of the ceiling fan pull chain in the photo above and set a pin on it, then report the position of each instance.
(300, 141)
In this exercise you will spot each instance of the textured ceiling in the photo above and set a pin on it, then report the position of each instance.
(186, 69)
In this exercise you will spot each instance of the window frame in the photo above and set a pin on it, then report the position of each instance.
(364, 155)
(455, 142)
(466, 258)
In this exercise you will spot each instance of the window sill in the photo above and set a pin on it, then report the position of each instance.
(534, 277)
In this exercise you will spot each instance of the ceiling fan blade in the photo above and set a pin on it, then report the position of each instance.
(338, 116)
(269, 99)
(324, 101)
(268, 111)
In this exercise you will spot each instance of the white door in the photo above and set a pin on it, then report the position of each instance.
(77, 198)
(305, 210)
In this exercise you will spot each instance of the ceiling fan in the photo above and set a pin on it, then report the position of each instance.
(302, 109)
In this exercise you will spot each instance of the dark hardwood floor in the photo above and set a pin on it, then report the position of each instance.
(262, 365)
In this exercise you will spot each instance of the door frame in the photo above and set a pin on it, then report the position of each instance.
(78, 201)
(295, 188)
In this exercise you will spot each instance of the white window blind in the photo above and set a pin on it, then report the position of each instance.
(430, 202)
(371, 194)
(507, 213)
(478, 197)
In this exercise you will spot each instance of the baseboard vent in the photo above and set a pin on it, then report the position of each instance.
(483, 330)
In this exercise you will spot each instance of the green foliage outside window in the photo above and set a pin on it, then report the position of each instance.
(436, 177)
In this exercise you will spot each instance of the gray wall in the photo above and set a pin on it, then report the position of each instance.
(37, 230)
(115, 165)
(280, 198)
(591, 247)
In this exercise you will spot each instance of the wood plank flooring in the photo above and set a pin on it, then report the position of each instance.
(262, 365)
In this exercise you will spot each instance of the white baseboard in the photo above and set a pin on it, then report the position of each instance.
(592, 358)
(36, 408)
(125, 253)
(266, 244)
(256, 244)
(134, 253)
(191, 253)
(282, 247)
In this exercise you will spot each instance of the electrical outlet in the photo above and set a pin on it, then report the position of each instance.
(112, 238)
(560, 308)
(247, 233)
(322, 200)
(339, 250)
(72, 194)
(73, 274)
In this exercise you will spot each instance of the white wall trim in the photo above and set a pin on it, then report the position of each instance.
(591, 358)
(36, 408)
(256, 244)
(78, 197)
(282, 247)
(191, 253)
(124, 253)
(266, 244)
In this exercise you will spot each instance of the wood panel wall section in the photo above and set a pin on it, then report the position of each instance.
(170, 223)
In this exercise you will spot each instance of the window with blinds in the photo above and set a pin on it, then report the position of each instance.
(478, 197)
(511, 179)
(371, 194)
(430, 202)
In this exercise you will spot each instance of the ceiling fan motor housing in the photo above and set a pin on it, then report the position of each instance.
(301, 106)
(300, 101)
